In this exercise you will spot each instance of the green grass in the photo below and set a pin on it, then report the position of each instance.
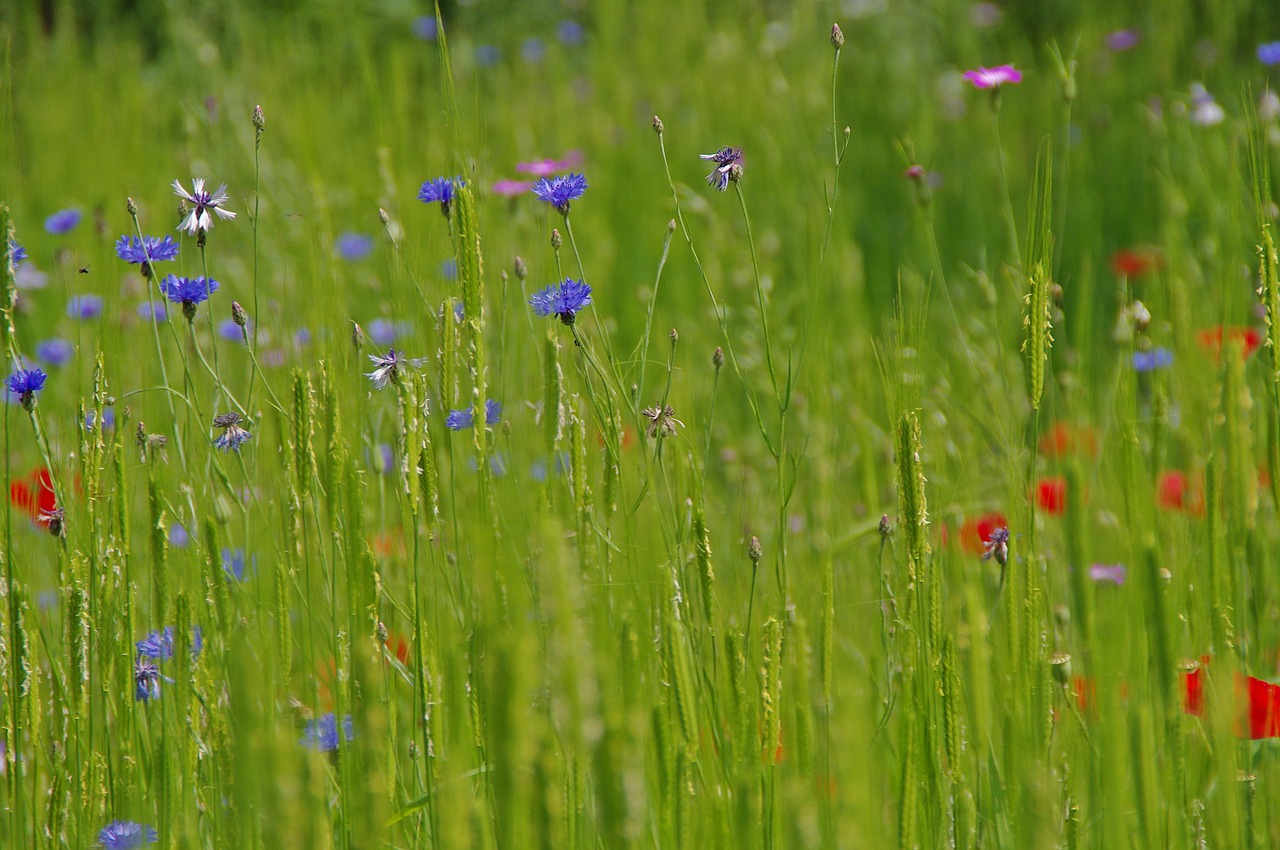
(562, 631)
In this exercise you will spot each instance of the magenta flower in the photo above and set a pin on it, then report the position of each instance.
(993, 78)
(511, 188)
(1114, 573)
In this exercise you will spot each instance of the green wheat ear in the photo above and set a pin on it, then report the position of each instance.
(1038, 324)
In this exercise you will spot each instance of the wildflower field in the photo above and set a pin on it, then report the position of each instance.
(622, 425)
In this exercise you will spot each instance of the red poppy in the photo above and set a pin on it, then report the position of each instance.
(1051, 495)
(1262, 702)
(387, 544)
(1176, 492)
(1085, 693)
(1135, 262)
(1062, 439)
(1250, 339)
(974, 533)
(33, 495)
(401, 651)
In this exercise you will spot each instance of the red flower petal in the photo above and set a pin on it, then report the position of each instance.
(975, 532)
(1051, 495)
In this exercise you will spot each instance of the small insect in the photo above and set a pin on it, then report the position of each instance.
(84, 270)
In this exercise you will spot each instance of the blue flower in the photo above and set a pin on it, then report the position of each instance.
(354, 246)
(84, 307)
(233, 562)
(449, 269)
(382, 332)
(148, 309)
(321, 734)
(440, 191)
(424, 27)
(1156, 358)
(302, 337)
(1269, 54)
(126, 835)
(146, 679)
(16, 253)
(108, 419)
(233, 435)
(55, 352)
(178, 536)
(63, 221)
(459, 420)
(728, 167)
(563, 300)
(487, 55)
(230, 330)
(25, 383)
(188, 291)
(158, 645)
(570, 32)
(559, 191)
(384, 458)
(533, 50)
(148, 249)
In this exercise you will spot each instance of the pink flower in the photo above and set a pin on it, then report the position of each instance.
(993, 78)
(548, 167)
(511, 188)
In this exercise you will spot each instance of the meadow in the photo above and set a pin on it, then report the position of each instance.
(599, 425)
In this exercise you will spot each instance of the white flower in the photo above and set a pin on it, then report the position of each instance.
(202, 203)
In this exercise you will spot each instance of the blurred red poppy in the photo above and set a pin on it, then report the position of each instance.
(1176, 492)
(1210, 340)
(33, 495)
(1051, 495)
(1261, 702)
(1135, 262)
(1063, 439)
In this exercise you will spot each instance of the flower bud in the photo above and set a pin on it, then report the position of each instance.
(717, 358)
(657, 125)
(357, 336)
(384, 217)
(556, 239)
(754, 551)
(837, 37)
(885, 527)
(238, 315)
(521, 270)
(259, 120)
(131, 205)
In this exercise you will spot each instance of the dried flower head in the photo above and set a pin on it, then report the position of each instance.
(662, 420)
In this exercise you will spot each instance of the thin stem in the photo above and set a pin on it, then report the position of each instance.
(1004, 181)
(764, 315)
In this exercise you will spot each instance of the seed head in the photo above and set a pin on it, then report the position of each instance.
(1061, 667)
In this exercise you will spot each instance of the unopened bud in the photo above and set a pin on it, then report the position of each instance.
(556, 239)
(384, 217)
(131, 205)
(259, 120)
(238, 315)
(657, 125)
(674, 336)
(754, 551)
(521, 270)
(837, 37)
(357, 336)
(717, 357)
(382, 632)
(671, 226)
(885, 527)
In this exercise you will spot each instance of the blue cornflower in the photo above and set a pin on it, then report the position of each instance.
(16, 253)
(25, 383)
(229, 329)
(424, 27)
(108, 419)
(1156, 358)
(728, 167)
(1269, 54)
(321, 734)
(126, 835)
(201, 203)
(533, 50)
(459, 420)
(84, 307)
(302, 338)
(178, 536)
(449, 269)
(384, 458)
(382, 332)
(158, 645)
(233, 561)
(188, 291)
(559, 191)
(146, 679)
(570, 32)
(63, 221)
(149, 309)
(55, 352)
(354, 246)
(145, 251)
(440, 191)
(233, 435)
(562, 300)
(538, 469)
